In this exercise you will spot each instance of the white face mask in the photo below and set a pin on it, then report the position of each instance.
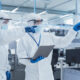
(4, 27)
(40, 28)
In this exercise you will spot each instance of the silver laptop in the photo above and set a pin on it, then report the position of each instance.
(43, 51)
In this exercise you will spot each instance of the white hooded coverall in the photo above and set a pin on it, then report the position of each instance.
(6, 36)
(27, 47)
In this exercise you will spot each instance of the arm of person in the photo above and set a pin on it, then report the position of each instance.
(24, 51)
(61, 42)
(21, 52)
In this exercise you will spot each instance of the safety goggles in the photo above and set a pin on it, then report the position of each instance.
(35, 21)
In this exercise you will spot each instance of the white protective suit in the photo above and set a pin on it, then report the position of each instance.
(27, 47)
(6, 36)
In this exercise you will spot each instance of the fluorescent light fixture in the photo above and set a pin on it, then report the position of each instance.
(42, 13)
(14, 10)
(4, 10)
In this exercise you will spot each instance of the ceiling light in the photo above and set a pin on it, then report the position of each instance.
(14, 10)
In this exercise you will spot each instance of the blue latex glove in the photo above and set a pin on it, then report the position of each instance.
(77, 27)
(30, 29)
(36, 60)
(8, 75)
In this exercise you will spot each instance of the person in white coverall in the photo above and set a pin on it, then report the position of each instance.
(6, 36)
(40, 68)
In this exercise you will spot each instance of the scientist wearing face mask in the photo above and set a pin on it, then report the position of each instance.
(6, 36)
(5, 24)
(36, 26)
(40, 68)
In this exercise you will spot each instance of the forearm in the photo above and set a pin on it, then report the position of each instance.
(65, 41)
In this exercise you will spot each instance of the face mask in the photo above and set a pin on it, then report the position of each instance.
(38, 28)
(33, 29)
(4, 27)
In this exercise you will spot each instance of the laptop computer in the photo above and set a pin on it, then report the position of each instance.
(43, 51)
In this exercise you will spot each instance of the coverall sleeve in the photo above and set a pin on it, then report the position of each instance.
(8, 67)
(7, 36)
(61, 42)
(21, 51)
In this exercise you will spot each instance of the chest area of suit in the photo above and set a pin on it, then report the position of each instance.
(35, 38)
(40, 39)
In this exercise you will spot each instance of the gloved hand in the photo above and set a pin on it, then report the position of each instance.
(30, 29)
(77, 27)
(36, 60)
(8, 75)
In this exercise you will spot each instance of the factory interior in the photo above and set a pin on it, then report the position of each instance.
(39, 39)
